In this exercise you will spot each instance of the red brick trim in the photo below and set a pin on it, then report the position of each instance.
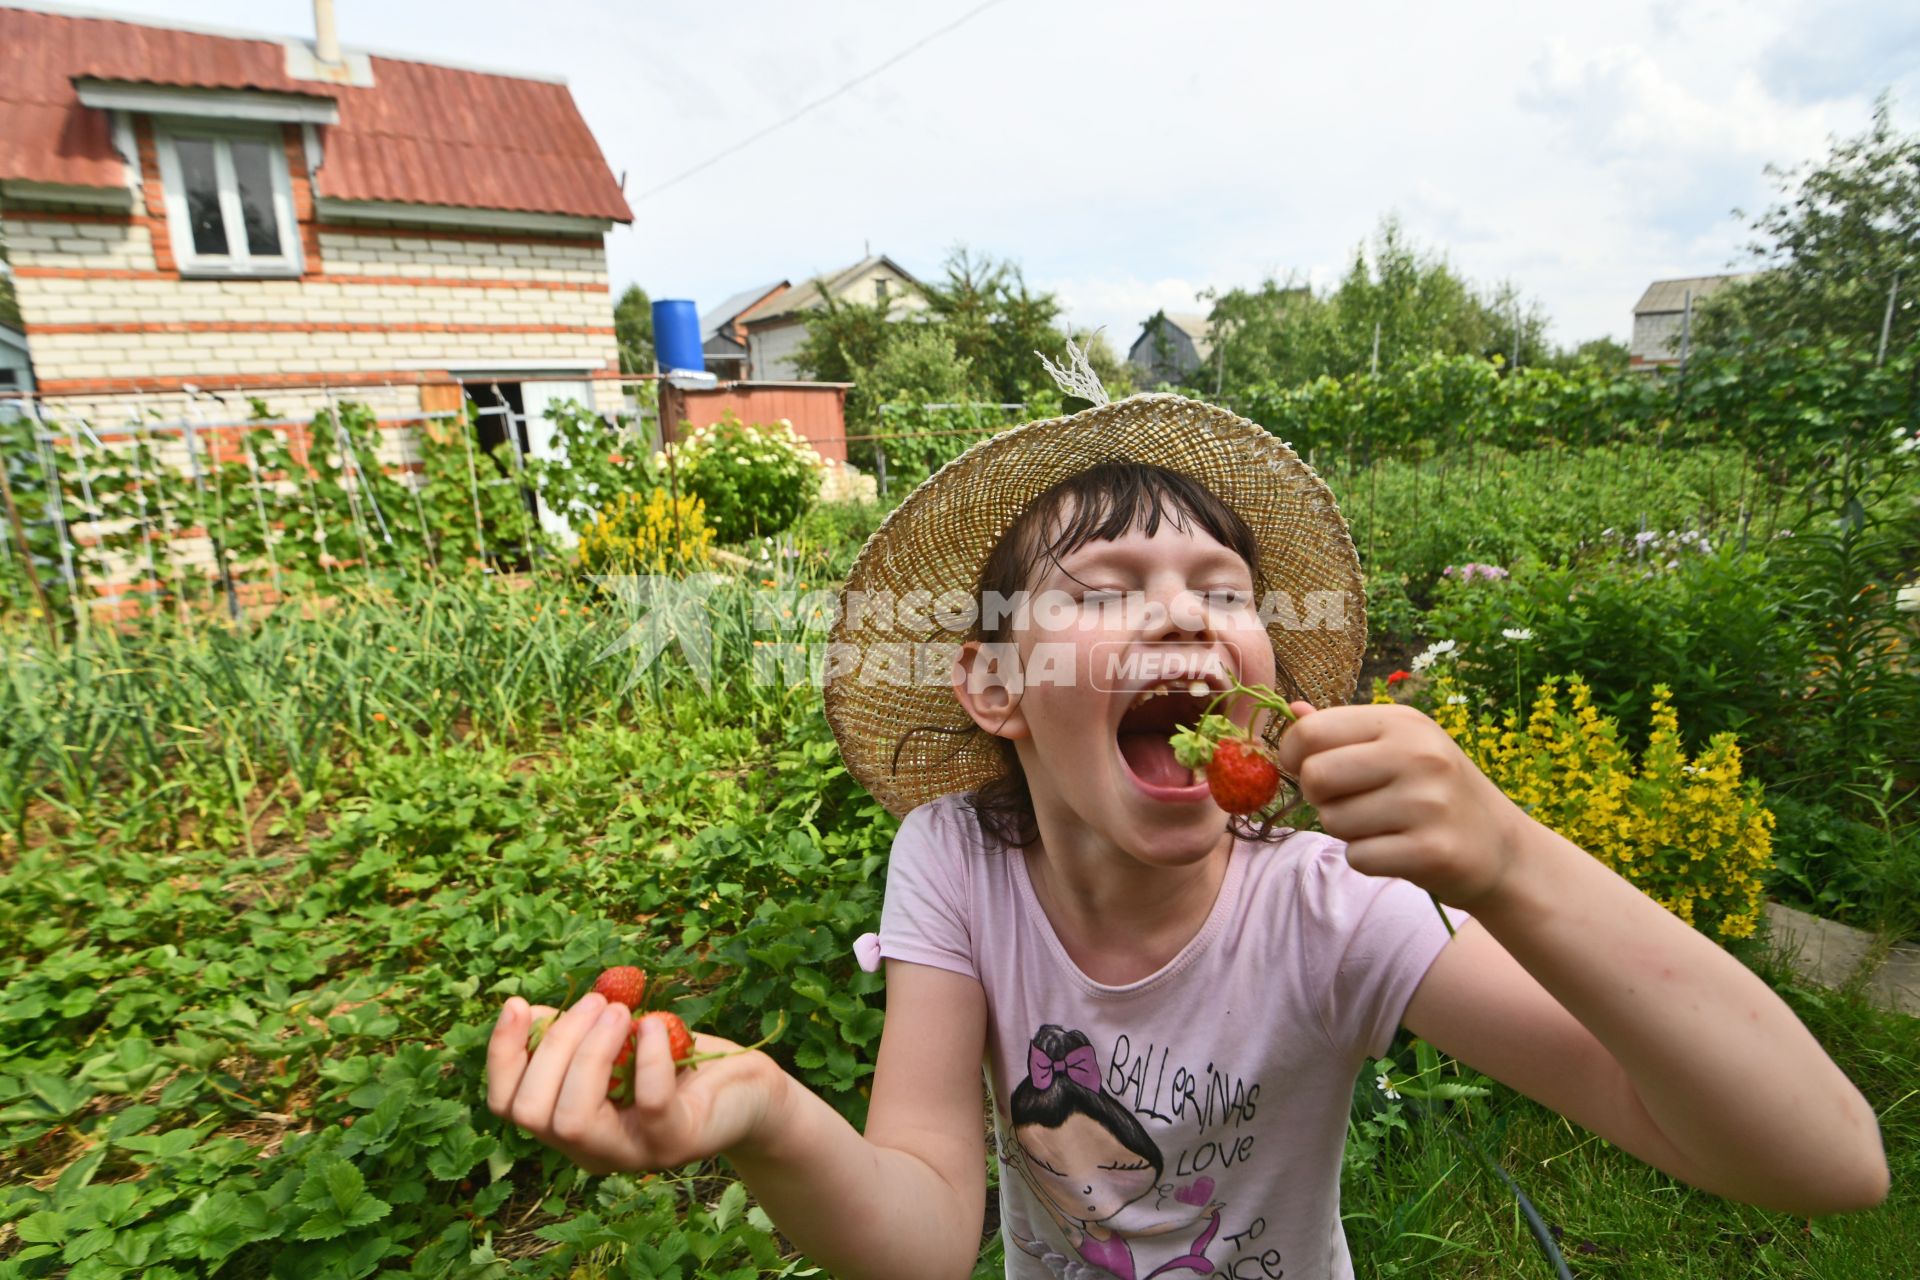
(251, 326)
(54, 388)
(302, 188)
(155, 195)
(123, 273)
(288, 426)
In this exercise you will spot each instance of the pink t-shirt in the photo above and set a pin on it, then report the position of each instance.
(1190, 1123)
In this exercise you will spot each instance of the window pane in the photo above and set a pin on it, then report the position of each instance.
(250, 161)
(203, 194)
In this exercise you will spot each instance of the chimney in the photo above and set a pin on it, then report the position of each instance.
(326, 38)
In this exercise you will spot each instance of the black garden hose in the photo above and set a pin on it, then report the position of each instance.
(1542, 1236)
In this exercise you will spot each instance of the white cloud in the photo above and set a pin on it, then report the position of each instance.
(1128, 159)
(1090, 302)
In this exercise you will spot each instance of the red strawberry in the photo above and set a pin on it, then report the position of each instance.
(679, 1039)
(1242, 776)
(679, 1043)
(620, 1087)
(622, 984)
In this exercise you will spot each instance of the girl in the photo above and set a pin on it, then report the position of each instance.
(1057, 868)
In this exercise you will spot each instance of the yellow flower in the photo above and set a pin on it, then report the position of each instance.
(1692, 833)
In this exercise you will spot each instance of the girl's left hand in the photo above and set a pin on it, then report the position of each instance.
(1398, 790)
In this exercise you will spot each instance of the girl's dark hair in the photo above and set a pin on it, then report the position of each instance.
(1107, 499)
(1064, 1098)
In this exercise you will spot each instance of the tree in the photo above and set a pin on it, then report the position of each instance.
(633, 330)
(1412, 302)
(845, 342)
(1829, 254)
(919, 363)
(997, 323)
(1279, 332)
(1606, 354)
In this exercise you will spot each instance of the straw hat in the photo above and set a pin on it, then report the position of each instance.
(938, 539)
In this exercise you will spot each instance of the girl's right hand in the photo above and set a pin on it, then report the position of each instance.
(559, 1093)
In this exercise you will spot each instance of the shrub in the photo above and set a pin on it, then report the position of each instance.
(1711, 627)
(753, 480)
(1692, 834)
(650, 534)
(595, 459)
(1549, 504)
(833, 532)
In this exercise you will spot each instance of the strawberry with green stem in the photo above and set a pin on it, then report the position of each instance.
(626, 985)
(1241, 773)
(679, 1045)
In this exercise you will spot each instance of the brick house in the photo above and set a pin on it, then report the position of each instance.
(186, 208)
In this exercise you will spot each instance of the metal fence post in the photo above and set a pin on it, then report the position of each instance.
(57, 514)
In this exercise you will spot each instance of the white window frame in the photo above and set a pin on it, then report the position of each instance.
(287, 263)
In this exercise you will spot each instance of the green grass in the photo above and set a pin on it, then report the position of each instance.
(256, 883)
(1429, 1207)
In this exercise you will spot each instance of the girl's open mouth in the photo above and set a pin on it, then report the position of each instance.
(1145, 751)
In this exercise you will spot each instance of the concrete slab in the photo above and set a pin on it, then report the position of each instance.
(1896, 985)
(1831, 954)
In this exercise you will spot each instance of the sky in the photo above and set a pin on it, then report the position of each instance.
(1128, 156)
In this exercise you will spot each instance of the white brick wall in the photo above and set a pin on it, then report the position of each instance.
(355, 285)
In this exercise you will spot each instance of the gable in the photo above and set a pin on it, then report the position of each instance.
(419, 134)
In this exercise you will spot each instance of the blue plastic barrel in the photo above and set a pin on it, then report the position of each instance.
(676, 335)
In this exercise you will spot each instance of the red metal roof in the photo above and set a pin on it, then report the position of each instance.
(421, 134)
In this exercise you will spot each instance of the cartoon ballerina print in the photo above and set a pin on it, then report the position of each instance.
(1088, 1158)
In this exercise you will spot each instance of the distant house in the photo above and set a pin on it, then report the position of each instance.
(776, 327)
(1171, 345)
(723, 338)
(190, 210)
(1660, 317)
(16, 371)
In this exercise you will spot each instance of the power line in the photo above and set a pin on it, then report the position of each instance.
(786, 120)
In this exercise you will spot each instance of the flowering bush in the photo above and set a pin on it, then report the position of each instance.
(842, 482)
(1711, 629)
(1655, 550)
(1693, 834)
(754, 480)
(650, 534)
(1472, 569)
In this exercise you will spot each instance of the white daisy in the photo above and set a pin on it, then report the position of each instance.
(1426, 657)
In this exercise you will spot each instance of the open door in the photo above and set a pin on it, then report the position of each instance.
(542, 439)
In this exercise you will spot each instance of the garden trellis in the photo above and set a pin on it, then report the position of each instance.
(131, 507)
(978, 425)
